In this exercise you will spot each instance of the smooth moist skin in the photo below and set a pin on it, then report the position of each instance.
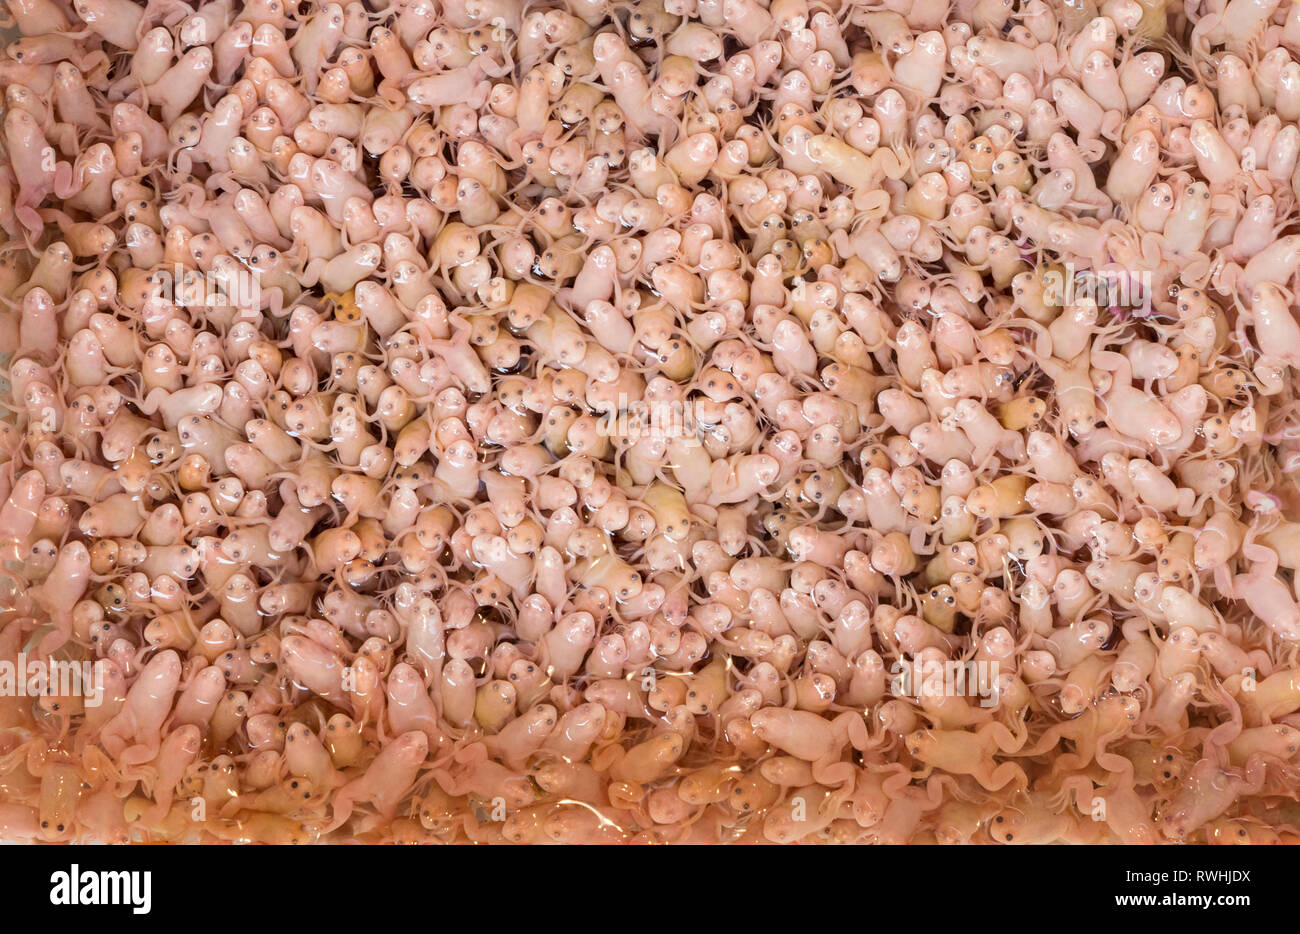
(627, 422)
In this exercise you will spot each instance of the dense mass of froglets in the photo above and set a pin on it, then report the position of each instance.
(589, 421)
